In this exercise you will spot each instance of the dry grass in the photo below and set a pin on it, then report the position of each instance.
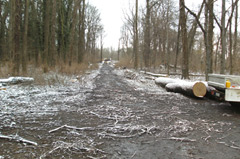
(125, 62)
(47, 76)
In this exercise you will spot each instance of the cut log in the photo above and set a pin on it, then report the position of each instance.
(16, 80)
(193, 89)
(163, 81)
(154, 74)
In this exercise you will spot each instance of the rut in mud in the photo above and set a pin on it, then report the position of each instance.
(117, 118)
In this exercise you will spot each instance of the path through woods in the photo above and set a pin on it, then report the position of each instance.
(115, 117)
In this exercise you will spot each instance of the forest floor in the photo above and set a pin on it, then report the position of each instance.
(106, 115)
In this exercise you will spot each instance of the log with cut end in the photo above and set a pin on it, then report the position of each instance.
(163, 81)
(193, 89)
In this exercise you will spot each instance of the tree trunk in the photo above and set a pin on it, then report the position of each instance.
(1, 32)
(216, 54)
(223, 37)
(230, 48)
(178, 46)
(25, 37)
(192, 89)
(135, 47)
(163, 81)
(147, 40)
(81, 45)
(206, 42)
(11, 31)
(101, 51)
(46, 36)
(235, 37)
(185, 69)
(52, 52)
(167, 40)
(16, 40)
(210, 35)
(72, 32)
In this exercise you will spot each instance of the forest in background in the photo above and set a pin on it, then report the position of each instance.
(47, 34)
(166, 34)
(170, 35)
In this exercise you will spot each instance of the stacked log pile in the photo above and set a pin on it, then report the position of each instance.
(194, 89)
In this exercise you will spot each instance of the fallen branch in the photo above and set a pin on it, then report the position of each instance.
(182, 139)
(231, 146)
(71, 127)
(102, 117)
(116, 136)
(18, 139)
(154, 74)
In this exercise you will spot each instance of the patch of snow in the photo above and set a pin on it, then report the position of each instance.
(140, 82)
(15, 80)
(163, 81)
(38, 100)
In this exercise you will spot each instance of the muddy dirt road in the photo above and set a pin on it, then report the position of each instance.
(116, 118)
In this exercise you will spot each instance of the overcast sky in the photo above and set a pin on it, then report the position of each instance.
(112, 15)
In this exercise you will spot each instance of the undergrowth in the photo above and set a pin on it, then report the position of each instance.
(51, 75)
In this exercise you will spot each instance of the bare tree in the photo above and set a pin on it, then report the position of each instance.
(16, 41)
(52, 52)
(72, 31)
(81, 45)
(135, 47)
(235, 35)
(210, 37)
(46, 35)
(178, 46)
(25, 38)
(147, 38)
(223, 37)
(183, 24)
(207, 33)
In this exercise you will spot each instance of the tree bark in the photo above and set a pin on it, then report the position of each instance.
(210, 36)
(135, 47)
(81, 45)
(52, 52)
(16, 40)
(72, 32)
(192, 89)
(230, 48)
(235, 37)
(147, 40)
(223, 37)
(178, 46)
(167, 40)
(46, 36)
(25, 38)
(185, 67)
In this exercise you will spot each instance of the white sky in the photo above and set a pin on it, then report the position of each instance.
(112, 18)
(112, 15)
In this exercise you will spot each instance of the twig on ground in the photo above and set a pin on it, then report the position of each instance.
(233, 146)
(182, 139)
(116, 136)
(71, 127)
(134, 154)
(18, 139)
